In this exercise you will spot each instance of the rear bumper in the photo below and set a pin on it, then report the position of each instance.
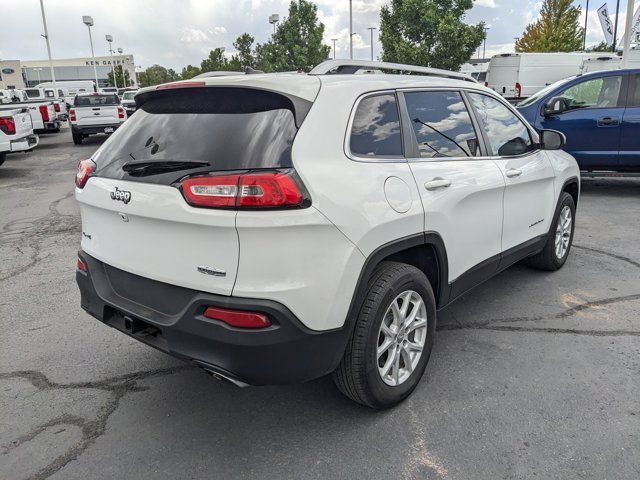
(286, 352)
(25, 143)
(51, 126)
(92, 129)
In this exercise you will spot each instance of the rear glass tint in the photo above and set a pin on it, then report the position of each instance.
(96, 101)
(226, 128)
(376, 127)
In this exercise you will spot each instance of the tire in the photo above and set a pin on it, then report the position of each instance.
(359, 375)
(77, 138)
(551, 258)
(3, 157)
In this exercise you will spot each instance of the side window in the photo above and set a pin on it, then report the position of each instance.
(596, 93)
(507, 134)
(634, 91)
(376, 127)
(442, 124)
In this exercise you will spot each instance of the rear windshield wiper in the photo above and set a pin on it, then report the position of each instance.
(141, 169)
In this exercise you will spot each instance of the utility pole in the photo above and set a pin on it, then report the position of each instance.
(584, 34)
(351, 29)
(615, 28)
(626, 48)
(371, 29)
(46, 37)
(334, 47)
(109, 39)
(88, 21)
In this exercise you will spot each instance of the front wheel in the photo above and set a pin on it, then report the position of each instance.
(558, 245)
(392, 340)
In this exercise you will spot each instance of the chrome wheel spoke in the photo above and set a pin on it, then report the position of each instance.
(406, 357)
(385, 346)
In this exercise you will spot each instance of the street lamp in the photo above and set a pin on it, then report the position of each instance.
(334, 40)
(46, 37)
(351, 29)
(124, 81)
(109, 40)
(273, 20)
(88, 21)
(371, 29)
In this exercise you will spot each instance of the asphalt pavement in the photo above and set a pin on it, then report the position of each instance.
(533, 374)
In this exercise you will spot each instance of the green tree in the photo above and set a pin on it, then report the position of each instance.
(429, 32)
(215, 61)
(556, 30)
(297, 42)
(155, 75)
(603, 46)
(245, 56)
(127, 78)
(189, 72)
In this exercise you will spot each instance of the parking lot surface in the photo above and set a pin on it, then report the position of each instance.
(533, 375)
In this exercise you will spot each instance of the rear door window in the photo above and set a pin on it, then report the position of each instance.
(204, 129)
(375, 131)
(442, 125)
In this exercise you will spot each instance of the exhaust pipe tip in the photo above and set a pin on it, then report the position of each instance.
(222, 377)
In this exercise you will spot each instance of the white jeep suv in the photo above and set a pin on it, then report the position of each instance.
(275, 228)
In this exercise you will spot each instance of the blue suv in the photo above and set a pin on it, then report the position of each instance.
(599, 113)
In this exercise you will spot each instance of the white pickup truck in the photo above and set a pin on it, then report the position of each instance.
(43, 113)
(95, 113)
(48, 94)
(16, 131)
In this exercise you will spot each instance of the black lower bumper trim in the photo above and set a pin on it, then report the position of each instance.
(92, 129)
(170, 318)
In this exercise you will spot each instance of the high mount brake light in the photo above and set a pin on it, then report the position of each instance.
(44, 111)
(7, 125)
(170, 86)
(85, 169)
(249, 190)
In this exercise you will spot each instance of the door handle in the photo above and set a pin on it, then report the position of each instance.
(608, 122)
(513, 172)
(437, 183)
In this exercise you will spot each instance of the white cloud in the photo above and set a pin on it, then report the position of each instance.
(486, 3)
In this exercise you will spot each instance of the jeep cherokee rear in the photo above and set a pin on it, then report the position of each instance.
(268, 228)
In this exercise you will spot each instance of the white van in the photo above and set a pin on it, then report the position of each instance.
(70, 88)
(477, 69)
(520, 75)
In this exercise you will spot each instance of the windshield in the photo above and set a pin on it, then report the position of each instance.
(128, 95)
(96, 100)
(214, 129)
(542, 93)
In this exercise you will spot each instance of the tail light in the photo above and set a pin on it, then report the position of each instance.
(120, 113)
(72, 114)
(56, 106)
(85, 169)
(80, 265)
(518, 90)
(486, 84)
(250, 190)
(8, 125)
(44, 111)
(237, 318)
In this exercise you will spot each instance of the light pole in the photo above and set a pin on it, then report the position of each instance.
(37, 69)
(273, 20)
(351, 29)
(626, 48)
(88, 21)
(584, 34)
(334, 40)
(124, 80)
(484, 44)
(46, 37)
(371, 29)
(615, 28)
(109, 40)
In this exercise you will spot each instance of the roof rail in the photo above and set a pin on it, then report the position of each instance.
(352, 66)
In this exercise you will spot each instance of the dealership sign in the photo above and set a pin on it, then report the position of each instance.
(8, 71)
(104, 62)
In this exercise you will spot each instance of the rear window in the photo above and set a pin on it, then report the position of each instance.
(32, 93)
(96, 101)
(214, 129)
(128, 95)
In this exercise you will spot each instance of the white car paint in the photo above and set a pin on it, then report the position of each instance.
(309, 260)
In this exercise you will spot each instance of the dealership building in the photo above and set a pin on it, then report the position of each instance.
(27, 73)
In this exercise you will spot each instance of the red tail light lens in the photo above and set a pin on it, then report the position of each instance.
(486, 84)
(44, 111)
(80, 265)
(56, 106)
(8, 125)
(120, 113)
(518, 90)
(85, 169)
(251, 190)
(237, 318)
(72, 114)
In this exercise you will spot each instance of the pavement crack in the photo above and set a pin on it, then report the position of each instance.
(569, 331)
(609, 254)
(117, 386)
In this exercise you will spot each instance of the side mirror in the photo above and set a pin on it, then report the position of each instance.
(554, 106)
(552, 140)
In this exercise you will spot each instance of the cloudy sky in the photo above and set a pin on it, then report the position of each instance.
(175, 33)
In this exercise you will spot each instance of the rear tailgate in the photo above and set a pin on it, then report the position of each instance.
(23, 124)
(104, 115)
(157, 235)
